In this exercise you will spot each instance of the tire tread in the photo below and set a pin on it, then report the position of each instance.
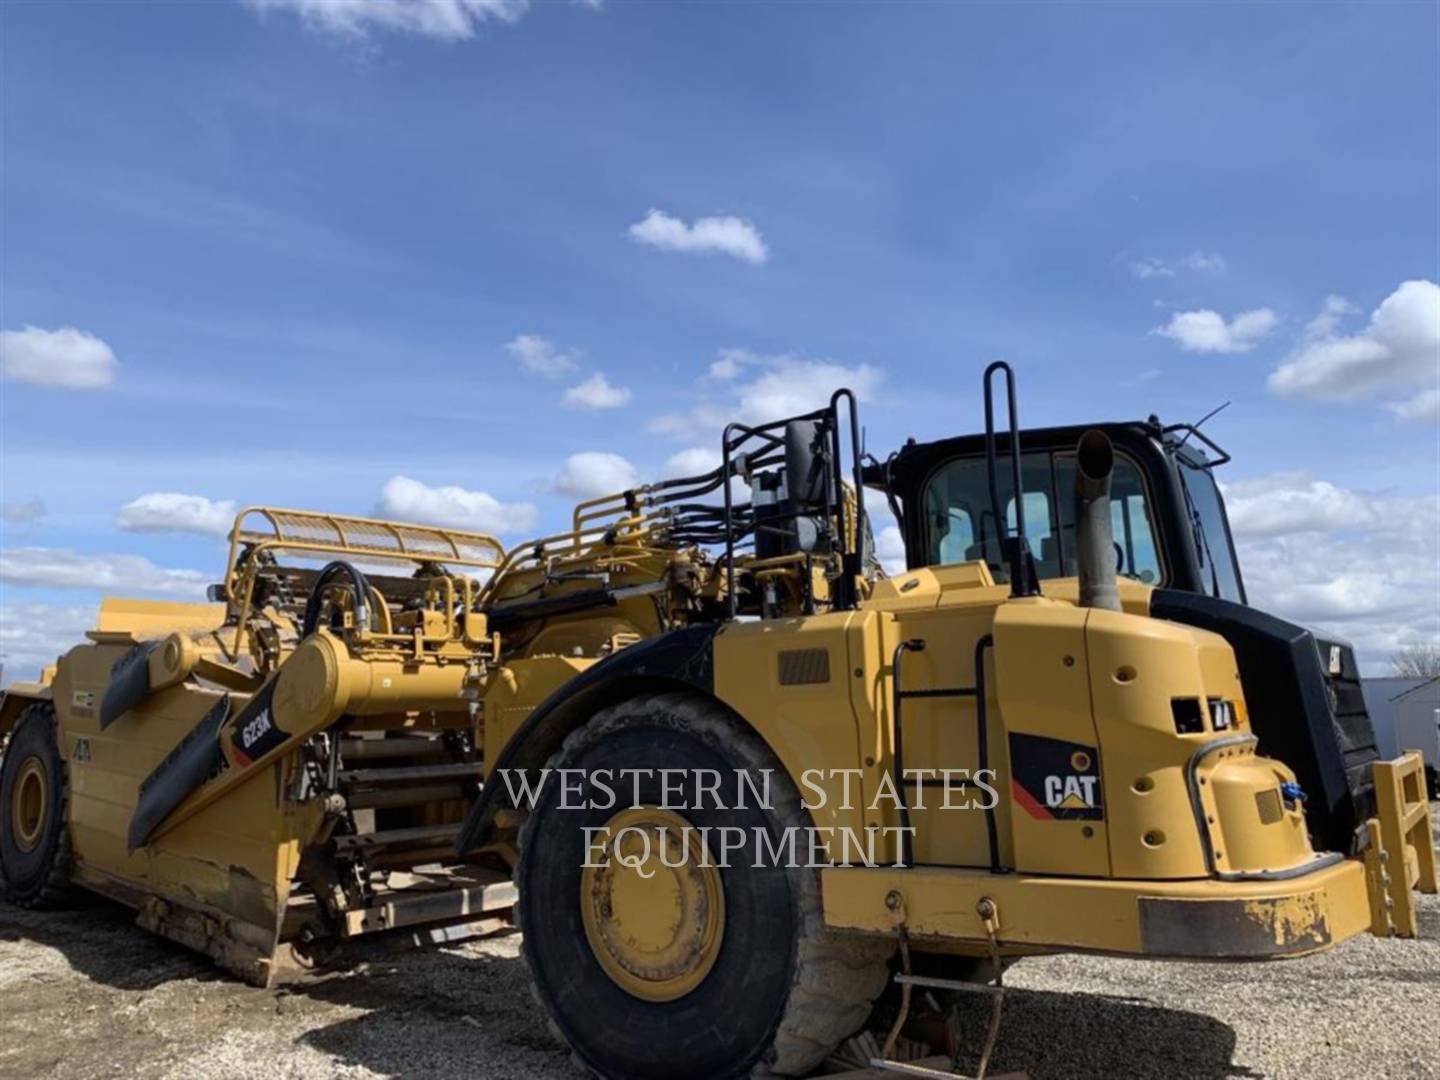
(56, 890)
(836, 977)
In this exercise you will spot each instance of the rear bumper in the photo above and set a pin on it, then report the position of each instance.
(1210, 919)
(1207, 919)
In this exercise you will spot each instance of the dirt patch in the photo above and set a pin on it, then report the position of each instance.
(87, 994)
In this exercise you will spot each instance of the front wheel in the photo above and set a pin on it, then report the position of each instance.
(658, 951)
(34, 835)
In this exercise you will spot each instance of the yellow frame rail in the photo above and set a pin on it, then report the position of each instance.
(1401, 855)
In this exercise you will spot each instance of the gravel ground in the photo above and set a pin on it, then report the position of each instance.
(86, 994)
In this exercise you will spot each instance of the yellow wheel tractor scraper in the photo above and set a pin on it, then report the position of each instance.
(732, 778)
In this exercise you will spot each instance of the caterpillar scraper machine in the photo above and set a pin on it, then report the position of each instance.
(734, 780)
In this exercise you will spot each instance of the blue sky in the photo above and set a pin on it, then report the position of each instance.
(276, 251)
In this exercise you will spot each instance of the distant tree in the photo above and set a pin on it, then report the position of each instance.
(1417, 661)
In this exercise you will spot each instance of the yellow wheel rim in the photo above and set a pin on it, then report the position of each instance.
(29, 803)
(652, 903)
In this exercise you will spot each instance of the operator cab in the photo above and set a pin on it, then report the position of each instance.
(1167, 514)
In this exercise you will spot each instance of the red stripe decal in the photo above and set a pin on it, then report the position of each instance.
(1025, 799)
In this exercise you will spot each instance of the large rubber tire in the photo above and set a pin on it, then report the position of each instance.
(783, 990)
(35, 853)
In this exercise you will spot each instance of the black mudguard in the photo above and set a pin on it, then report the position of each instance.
(682, 658)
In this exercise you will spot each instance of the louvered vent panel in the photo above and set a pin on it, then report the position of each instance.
(802, 667)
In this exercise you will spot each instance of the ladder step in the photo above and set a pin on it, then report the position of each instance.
(460, 770)
(414, 907)
(391, 838)
(381, 797)
(945, 984)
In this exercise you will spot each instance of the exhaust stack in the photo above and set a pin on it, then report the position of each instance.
(1094, 538)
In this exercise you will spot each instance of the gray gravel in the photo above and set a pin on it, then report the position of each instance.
(85, 994)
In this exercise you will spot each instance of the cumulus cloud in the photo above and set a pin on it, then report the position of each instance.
(1205, 262)
(791, 385)
(539, 356)
(1199, 262)
(778, 386)
(1423, 408)
(596, 393)
(694, 461)
(444, 20)
(1399, 347)
(18, 513)
(60, 568)
(1208, 331)
(1150, 267)
(731, 236)
(890, 550)
(702, 419)
(172, 512)
(405, 499)
(1293, 503)
(68, 358)
(1328, 318)
(1359, 565)
(593, 473)
(32, 635)
(729, 363)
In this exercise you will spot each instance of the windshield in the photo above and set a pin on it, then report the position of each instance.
(959, 524)
(1219, 571)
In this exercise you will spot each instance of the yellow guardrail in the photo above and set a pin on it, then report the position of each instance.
(306, 531)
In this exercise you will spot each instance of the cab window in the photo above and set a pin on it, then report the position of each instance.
(1218, 567)
(959, 523)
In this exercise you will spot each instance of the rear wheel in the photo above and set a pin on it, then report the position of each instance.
(35, 856)
(669, 955)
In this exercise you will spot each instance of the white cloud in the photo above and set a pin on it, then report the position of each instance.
(1199, 262)
(33, 635)
(729, 363)
(540, 356)
(694, 461)
(445, 20)
(1363, 566)
(731, 236)
(593, 473)
(1150, 267)
(782, 386)
(405, 499)
(596, 393)
(702, 419)
(1208, 331)
(1293, 503)
(59, 568)
(1423, 408)
(18, 513)
(68, 358)
(169, 511)
(1203, 262)
(1400, 347)
(790, 385)
(890, 550)
(1331, 312)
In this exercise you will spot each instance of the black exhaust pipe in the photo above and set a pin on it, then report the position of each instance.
(1094, 536)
